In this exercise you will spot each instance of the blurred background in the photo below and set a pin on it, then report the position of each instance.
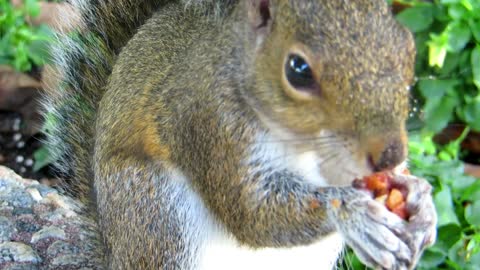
(444, 124)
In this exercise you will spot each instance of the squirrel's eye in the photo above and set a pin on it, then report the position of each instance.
(298, 72)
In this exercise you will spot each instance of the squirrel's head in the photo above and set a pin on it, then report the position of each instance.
(335, 75)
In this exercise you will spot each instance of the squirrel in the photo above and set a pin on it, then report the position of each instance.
(209, 134)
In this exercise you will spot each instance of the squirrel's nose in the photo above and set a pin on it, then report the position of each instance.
(386, 156)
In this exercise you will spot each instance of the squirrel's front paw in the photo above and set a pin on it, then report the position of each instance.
(380, 238)
(423, 218)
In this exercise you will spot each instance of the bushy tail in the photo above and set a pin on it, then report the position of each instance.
(83, 62)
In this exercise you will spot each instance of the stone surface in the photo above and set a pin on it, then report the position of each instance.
(6, 229)
(18, 252)
(22, 266)
(61, 247)
(48, 232)
(69, 260)
(42, 229)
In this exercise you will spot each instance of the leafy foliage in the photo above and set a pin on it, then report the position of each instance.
(457, 200)
(22, 45)
(447, 35)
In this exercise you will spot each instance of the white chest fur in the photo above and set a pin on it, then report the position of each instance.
(219, 250)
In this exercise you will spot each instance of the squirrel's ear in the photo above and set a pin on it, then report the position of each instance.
(260, 18)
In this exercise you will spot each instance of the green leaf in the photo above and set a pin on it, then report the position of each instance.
(475, 28)
(457, 253)
(444, 156)
(32, 7)
(476, 65)
(467, 4)
(421, 43)
(445, 209)
(472, 213)
(24, 33)
(449, 1)
(42, 158)
(462, 257)
(458, 36)
(422, 144)
(474, 247)
(435, 88)
(470, 112)
(417, 18)
(437, 49)
(458, 11)
(473, 262)
(38, 52)
(450, 63)
(464, 187)
(351, 261)
(441, 13)
(448, 235)
(438, 112)
(431, 259)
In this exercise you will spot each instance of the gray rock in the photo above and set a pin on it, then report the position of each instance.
(6, 210)
(48, 232)
(18, 252)
(7, 229)
(17, 198)
(44, 190)
(22, 266)
(54, 216)
(69, 260)
(40, 228)
(61, 248)
(25, 225)
(22, 211)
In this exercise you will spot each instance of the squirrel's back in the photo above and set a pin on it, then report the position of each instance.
(83, 62)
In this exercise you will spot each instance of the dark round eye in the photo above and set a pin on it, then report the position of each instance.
(298, 72)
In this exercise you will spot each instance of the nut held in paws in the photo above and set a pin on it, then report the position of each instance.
(386, 192)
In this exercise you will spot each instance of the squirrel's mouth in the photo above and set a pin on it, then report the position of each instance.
(340, 159)
(343, 171)
(328, 170)
(332, 164)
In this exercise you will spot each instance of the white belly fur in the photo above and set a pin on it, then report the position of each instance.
(226, 254)
(219, 250)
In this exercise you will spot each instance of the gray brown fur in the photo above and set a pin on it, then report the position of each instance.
(188, 93)
(83, 65)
